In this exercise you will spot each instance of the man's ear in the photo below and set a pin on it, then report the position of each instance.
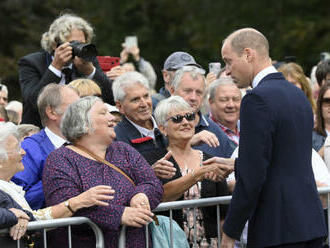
(172, 90)
(120, 107)
(51, 114)
(248, 54)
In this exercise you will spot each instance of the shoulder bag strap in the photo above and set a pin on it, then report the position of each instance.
(99, 159)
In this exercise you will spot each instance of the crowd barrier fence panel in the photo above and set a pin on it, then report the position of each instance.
(205, 202)
(63, 222)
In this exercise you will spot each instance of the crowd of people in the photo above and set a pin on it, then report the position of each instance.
(107, 146)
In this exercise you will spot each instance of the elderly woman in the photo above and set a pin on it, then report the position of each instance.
(11, 155)
(176, 120)
(92, 159)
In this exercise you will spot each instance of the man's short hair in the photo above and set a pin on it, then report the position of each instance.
(179, 59)
(248, 38)
(50, 96)
(3, 88)
(62, 27)
(126, 80)
(193, 71)
(322, 70)
(220, 82)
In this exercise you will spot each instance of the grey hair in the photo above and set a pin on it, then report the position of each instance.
(61, 29)
(125, 80)
(14, 105)
(25, 129)
(50, 96)
(4, 88)
(6, 129)
(164, 107)
(76, 121)
(193, 71)
(220, 82)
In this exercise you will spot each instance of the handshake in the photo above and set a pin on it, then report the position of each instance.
(215, 169)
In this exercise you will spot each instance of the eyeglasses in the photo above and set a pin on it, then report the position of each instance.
(326, 100)
(179, 118)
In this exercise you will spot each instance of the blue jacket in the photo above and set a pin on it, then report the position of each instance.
(224, 149)
(275, 187)
(37, 148)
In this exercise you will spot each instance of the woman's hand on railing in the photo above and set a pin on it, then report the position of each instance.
(136, 217)
(17, 231)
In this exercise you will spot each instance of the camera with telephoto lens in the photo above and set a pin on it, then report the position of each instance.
(86, 51)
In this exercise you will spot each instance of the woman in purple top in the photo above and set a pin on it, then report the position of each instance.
(71, 170)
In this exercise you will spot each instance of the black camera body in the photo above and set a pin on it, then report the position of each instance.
(85, 51)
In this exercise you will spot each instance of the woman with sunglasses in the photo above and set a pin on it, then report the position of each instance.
(176, 120)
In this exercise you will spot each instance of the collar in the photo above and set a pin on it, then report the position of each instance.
(202, 120)
(223, 127)
(56, 140)
(145, 131)
(263, 73)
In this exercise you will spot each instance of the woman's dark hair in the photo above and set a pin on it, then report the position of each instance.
(320, 127)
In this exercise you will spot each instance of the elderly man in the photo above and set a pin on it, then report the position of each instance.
(189, 83)
(275, 188)
(138, 127)
(225, 103)
(52, 103)
(57, 63)
(3, 95)
(174, 62)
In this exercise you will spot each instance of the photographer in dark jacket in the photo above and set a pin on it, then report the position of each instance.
(56, 63)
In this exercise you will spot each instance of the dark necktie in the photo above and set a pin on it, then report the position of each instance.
(67, 74)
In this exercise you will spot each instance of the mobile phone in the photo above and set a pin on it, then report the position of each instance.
(131, 41)
(108, 62)
(215, 67)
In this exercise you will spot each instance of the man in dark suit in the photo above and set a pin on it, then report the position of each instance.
(275, 187)
(55, 64)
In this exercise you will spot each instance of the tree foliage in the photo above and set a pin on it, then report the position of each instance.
(293, 27)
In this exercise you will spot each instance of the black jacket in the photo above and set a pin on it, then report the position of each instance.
(34, 75)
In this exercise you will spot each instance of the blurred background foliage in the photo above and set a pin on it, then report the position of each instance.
(293, 28)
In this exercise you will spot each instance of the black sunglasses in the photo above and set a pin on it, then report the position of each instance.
(179, 118)
(326, 100)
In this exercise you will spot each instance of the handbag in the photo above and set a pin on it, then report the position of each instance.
(161, 234)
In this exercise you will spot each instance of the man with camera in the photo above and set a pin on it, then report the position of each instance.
(67, 54)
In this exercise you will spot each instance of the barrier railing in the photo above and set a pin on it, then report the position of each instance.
(63, 222)
(213, 201)
(167, 206)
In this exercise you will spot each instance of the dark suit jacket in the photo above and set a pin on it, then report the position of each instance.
(34, 75)
(275, 186)
(127, 133)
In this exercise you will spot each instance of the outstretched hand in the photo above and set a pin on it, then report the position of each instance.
(164, 168)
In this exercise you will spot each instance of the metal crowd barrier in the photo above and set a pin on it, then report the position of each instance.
(166, 206)
(169, 206)
(63, 222)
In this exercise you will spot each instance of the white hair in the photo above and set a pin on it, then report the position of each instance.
(220, 82)
(6, 129)
(125, 80)
(4, 88)
(193, 71)
(15, 106)
(164, 107)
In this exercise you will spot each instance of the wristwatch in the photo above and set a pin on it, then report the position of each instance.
(67, 204)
